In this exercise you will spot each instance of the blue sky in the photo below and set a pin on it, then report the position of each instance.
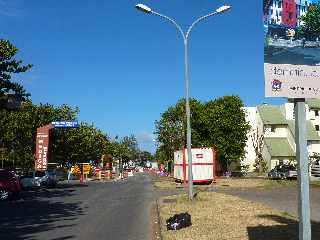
(123, 68)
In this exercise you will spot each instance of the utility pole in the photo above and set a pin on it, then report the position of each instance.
(303, 169)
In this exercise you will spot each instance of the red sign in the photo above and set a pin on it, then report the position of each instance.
(289, 11)
(42, 145)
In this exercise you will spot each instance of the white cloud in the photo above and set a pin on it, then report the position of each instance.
(145, 137)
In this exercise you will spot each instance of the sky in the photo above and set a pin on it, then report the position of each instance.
(123, 68)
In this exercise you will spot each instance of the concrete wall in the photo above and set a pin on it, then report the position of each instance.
(266, 156)
(280, 131)
(250, 156)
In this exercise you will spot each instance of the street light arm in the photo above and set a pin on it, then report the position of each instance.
(199, 20)
(171, 21)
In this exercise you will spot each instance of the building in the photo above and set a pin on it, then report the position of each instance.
(277, 125)
(286, 13)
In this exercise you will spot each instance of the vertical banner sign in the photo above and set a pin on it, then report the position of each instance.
(292, 48)
(42, 145)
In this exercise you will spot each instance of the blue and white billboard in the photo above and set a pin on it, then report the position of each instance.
(65, 124)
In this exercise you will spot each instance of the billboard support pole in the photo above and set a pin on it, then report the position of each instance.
(303, 171)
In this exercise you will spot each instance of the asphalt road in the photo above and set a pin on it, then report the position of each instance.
(97, 210)
(297, 56)
(284, 199)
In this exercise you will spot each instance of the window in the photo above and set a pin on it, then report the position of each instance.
(316, 112)
(39, 174)
(317, 127)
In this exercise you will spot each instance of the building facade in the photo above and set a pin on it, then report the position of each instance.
(277, 125)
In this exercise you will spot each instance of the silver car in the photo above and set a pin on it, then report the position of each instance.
(38, 179)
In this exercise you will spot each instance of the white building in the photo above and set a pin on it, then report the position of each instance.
(277, 125)
(275, 11)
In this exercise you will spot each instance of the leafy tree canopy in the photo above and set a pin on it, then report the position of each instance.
(8, 67)
(18, 130)
(220, 122)
(310, 29)
(171, 128)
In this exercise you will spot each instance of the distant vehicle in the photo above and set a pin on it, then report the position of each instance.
(9, 185)
(283, 172)
(36, 179)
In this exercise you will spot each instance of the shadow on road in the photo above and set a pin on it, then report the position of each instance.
(35, 212)
(287, 229)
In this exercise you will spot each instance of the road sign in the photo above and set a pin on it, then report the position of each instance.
(292, 69)
(75, 169)
(86, 168)
(65, 124)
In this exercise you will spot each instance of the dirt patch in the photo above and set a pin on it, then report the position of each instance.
(240, 183)
(167, 184)
(220, 216)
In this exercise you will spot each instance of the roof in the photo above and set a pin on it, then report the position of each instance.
(271, 115)
(279, 147)
(313, 103)
(310, 131)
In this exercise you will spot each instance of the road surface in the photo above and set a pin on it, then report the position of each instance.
(97, 210)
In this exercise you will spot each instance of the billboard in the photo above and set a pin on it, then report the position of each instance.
(42, 146)
(65, 124)
(292, 48)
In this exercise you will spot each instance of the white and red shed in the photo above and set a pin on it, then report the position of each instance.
(203, 164)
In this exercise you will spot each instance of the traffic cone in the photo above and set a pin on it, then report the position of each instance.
(81, 178)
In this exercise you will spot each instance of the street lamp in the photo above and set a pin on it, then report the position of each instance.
(185, 36)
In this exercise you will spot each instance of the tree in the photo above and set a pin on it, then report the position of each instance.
(79, 145)
(9, 66)
(146, 156)
(225, 127)
(257, 138)
(219, 122)
(171, 129)
(310, 29)
(18, 130)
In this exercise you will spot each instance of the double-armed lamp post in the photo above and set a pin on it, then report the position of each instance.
(185, 36)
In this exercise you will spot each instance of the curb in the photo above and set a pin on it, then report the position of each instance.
(159, 235)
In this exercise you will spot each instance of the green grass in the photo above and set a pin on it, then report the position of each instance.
(288, 215)
(315, 183)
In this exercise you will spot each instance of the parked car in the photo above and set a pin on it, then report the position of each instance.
(36, 179)
(284, 171)
(9, 185)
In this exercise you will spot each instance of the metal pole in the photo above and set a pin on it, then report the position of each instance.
(185, 37)
(303, 171)
(186, 66)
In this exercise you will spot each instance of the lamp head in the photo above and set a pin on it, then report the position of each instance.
(143, 8)
(223, 9)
